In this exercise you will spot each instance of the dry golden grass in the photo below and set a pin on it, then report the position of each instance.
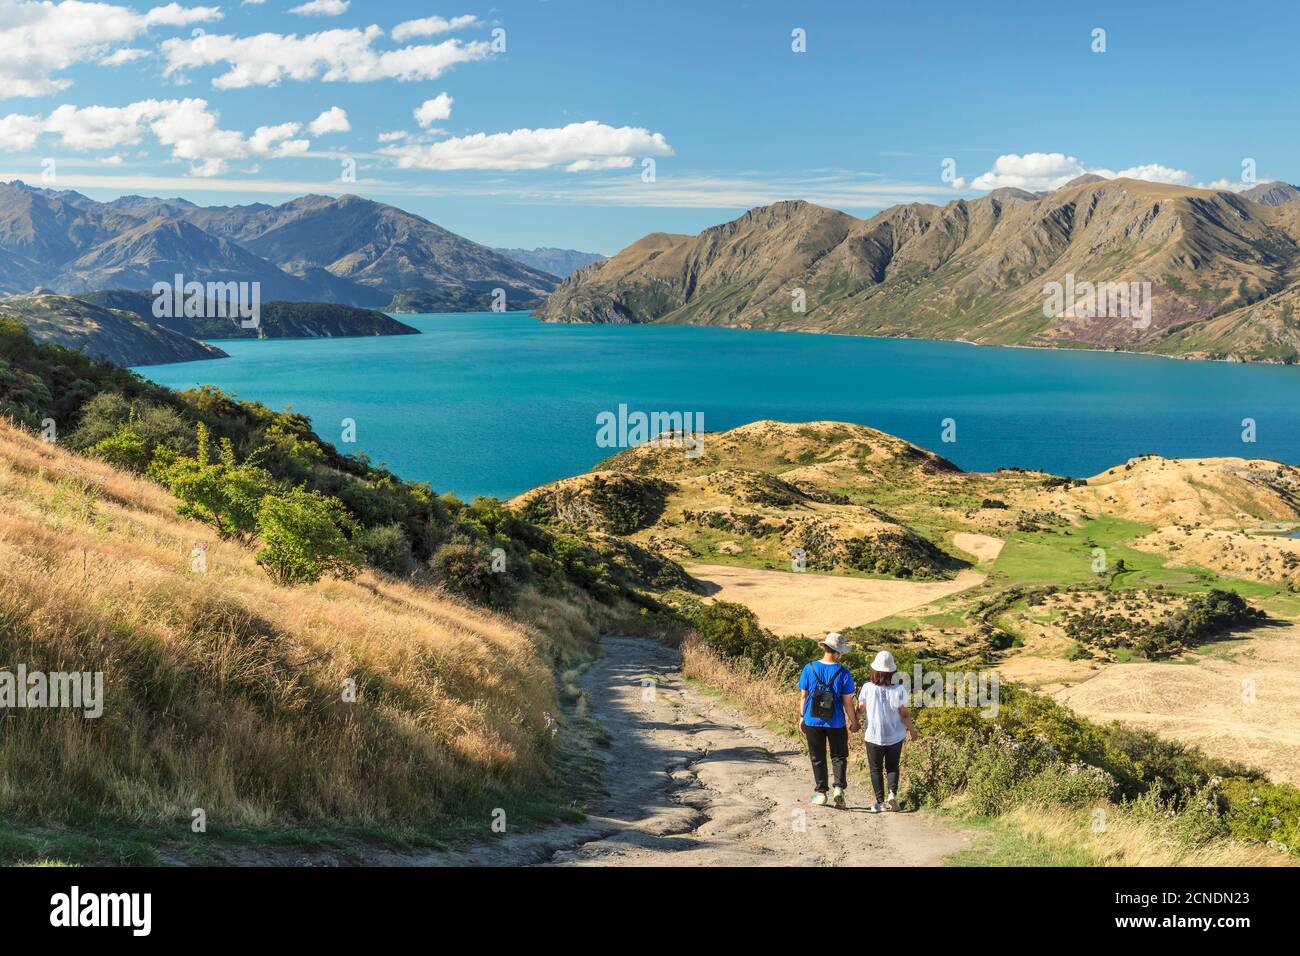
(1129, 841)
(811, 605)
(225, 692)
(764, 697)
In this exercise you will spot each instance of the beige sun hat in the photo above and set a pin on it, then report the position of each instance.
(884, 662)
(837, 643)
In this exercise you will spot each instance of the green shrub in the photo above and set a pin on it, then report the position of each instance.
(303, 537)
(466, 569)
(123, 449)
(386, 547)
(936, 768)
(1262, 811)
(109, 413)
(1200, 817)
(1067, 785)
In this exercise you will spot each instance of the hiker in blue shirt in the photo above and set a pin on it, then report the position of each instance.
(827, 697)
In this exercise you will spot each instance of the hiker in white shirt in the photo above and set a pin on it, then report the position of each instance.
(882, 706)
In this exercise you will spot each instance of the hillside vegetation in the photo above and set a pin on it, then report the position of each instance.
(227, 693)
(762, 495)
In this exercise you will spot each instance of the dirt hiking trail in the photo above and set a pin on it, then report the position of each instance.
(689, 781)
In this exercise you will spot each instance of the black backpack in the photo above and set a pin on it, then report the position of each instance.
(823, 698)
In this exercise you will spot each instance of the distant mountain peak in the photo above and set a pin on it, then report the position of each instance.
(345, 249)
(1276, 193)
(1087, 179)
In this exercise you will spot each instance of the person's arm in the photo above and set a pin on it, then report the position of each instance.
(851, 712)
(904, 713)
(803, 704)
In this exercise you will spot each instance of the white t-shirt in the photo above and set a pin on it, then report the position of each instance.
(883, 725)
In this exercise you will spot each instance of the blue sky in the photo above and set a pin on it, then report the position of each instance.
(538, 135)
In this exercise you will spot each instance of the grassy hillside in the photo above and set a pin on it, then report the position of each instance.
(225, 692)
(228, 692)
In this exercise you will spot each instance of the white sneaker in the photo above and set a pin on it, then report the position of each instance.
(876, 808)
(892, 802)
(818, 799)
(837, 798)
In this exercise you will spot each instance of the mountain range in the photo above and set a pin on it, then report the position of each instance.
(558, 262)
(1221, 270)
(342, 249)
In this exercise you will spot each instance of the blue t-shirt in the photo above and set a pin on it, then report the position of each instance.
(834, 676)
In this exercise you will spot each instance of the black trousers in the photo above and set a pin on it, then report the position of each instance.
(881, 761)
(838, 739)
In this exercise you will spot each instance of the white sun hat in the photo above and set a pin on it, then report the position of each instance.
(884, 662)
(836, 643)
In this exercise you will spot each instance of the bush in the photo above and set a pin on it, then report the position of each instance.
(303, 537)
(466, 569)
(1262, 811)
(123, 449)
(1067, 785)
(386, 547)
(1200, 819)
(109, 413)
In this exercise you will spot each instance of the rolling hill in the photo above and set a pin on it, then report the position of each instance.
(112, 335)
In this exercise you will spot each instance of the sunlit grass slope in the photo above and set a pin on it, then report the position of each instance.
(226, 693)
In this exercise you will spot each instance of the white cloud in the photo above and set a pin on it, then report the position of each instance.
(189, 127)
(124, 55)
(431, 111)
(394, 136)
(1032, 171)
(277, 140)
(1151, 172)
(19, 133)
(333, 120)
(431, 26)
(578, 146)
(1044, 172)
(40, 39)
(321, 8)
(331, 55)
(1230, 185)
(100, 127)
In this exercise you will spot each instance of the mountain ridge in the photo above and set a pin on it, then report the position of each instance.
(975, 270)
(345, 249)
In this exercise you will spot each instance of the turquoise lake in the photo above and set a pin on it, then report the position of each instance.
(495, 404)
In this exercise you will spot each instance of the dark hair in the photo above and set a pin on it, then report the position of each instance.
(882, 678)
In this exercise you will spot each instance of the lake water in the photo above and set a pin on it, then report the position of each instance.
(496, 404)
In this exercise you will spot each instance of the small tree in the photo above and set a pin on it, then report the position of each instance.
(225, 494)
(303, 537)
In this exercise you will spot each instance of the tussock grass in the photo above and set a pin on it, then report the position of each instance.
(224, 691)
(776, 702)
